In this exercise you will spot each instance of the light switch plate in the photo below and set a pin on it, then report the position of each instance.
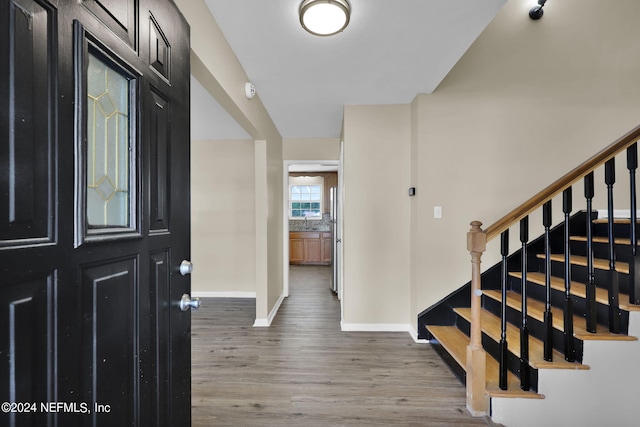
(437, 212)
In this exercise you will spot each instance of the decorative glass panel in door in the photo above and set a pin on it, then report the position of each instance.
(108, 200)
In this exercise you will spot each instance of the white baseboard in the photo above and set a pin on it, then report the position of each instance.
(207, 294)
(261, 323)
(414, 335)
(377, 327)
(265, 323)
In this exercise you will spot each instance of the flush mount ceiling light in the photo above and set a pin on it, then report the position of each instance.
(324, 17)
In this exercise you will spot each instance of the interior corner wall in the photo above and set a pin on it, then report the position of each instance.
(528, 101)
(311, 149)
(223, 216)
(261, 226)
(414, 214)
(375, 238)
(274, 225)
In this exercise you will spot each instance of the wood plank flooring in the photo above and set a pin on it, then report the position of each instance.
(303, 371)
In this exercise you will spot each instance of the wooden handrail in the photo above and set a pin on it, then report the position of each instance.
(559, 185)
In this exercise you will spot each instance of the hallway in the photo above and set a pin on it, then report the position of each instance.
(303, 371)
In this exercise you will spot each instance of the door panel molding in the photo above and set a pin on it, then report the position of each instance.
(27, 175)
(159, 50)
(121, 17)
(160, 324)
(159, 158)
(28, 332)
(110, 339)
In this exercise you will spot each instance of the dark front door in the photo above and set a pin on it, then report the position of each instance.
(94, 213)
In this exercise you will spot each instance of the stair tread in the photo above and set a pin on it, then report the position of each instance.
(615, 220)
(492, 327)
(577, 288)
(599, 263)
(535, 309)
(455, 342)
(603, 239)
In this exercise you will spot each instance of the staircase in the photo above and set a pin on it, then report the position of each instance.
(553, 311)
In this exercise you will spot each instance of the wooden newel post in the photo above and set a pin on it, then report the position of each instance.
(477, 399)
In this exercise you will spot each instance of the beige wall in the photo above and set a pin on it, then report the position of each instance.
(311, 149)
(376, 215)
(527, 102)
(223, 216)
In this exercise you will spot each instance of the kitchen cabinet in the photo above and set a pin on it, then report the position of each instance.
(310, 247)
(296, 250)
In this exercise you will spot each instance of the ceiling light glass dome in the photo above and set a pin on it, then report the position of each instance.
(324, 17)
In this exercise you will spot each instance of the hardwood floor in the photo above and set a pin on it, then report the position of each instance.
(303, 371)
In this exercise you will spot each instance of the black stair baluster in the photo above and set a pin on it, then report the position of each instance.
(525, 377)
(569, 346)
(614, 284)
(591, 314)
(504, 355)
(548, 316)
(634, 264)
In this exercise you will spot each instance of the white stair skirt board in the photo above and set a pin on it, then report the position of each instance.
(617, 213)
(265, 323)
(207, 294)
(606, 394)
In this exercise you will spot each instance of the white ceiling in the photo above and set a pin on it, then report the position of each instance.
(391, 51)
(209, 121)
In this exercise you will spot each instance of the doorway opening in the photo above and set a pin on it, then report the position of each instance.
(312, 218)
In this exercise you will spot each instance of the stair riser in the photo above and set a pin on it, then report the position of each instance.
(601, 250)
(455, 368)
(579, 274)
(619, 230)
(492, 348)
(536, 328)
(442, 313)
(538, 292)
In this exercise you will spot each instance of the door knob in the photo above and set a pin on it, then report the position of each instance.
(186, 267)
(187, 303)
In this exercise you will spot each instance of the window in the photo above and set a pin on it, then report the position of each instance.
(305, 197)
(108, 200)
(306, 201)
